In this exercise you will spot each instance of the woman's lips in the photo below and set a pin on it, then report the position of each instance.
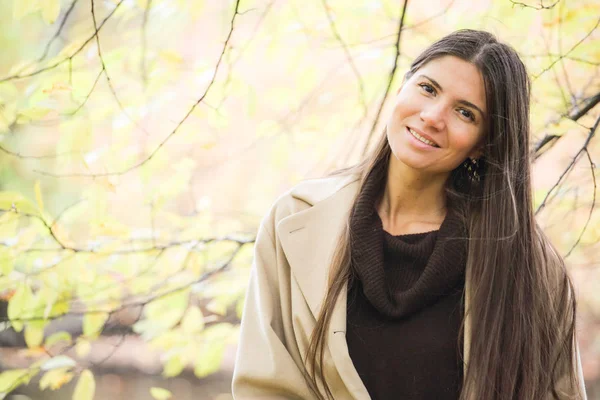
(417, 142)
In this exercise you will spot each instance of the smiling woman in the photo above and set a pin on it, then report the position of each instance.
(420, 273)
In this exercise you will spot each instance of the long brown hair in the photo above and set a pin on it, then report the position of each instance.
(521, 304)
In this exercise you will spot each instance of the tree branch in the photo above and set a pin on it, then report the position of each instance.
(69, 58)
(349, 57)
(174, 131)
(587, 222)
(390, 79)
(571, 165)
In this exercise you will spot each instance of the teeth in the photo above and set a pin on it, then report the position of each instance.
(421, 138)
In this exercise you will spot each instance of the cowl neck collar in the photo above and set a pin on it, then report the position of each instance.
(443, 251)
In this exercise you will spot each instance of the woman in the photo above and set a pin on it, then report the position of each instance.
(420, 273)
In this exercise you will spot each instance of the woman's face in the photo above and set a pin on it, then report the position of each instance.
(443, 103)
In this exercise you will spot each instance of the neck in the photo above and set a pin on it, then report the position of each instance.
(412, 193)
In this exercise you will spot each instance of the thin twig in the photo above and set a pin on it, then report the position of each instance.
(69, 58)
(571, 165)
(390, 79)
(174, 131)
(568, 52)
(587, 222)
(359, 79)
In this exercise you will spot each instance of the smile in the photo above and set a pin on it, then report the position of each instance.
(421, 138)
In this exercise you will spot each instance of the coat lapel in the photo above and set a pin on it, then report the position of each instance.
(309, 239)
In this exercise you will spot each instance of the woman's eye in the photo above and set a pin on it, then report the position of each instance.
(428, 88)
(466, 113)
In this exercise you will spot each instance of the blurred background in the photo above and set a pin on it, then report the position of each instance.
(142, 141)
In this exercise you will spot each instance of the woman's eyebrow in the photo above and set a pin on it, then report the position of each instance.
(465, 102)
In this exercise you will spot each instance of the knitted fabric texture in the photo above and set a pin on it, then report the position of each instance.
(443, 251)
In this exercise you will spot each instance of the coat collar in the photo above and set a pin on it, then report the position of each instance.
(309, 238)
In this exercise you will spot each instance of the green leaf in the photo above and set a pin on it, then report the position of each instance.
(18, 304)
(209, 360)
(173, 366)
(58, 337)
(32, 114)
(93, 323)
(166, 311)
(160, 393)
(15, 200)
(9, 380)
(83, 347)
(50, 10)
(22, 8)
(34, 333)
(86, 386)
(193, 321)
(37, 187)
(6, 261)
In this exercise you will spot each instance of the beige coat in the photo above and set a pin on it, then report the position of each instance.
(288, 281)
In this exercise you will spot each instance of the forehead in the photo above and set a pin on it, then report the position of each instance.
(458, 78)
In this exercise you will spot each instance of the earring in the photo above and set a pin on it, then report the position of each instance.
(472, 169)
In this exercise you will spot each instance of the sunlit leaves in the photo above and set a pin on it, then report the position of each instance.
(160, 393)
(17, 202)
(214, 340)
(82, 347)
(193, 321)
(55, 378)
(93, 322)
(19, 306)
(163, 313)
(58, 337)
(34, 333)
(11, 379)
(86, 386)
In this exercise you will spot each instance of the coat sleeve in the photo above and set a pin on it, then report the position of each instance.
(264, 368)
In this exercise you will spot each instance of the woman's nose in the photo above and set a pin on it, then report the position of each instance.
(434, 116)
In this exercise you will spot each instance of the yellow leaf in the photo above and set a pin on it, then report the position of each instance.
(173, 366)
(24, 7)
(58, 337)
(86, 386)
(171, 56)
(17, 305)
(9, 380)
(209, 360)
(34, 333)
(196, 9)
(160, 393)
(38, 195)
(93, 323)
(55, 378)
(32, 114)
(6, 259)
(50, 10)
(193, 321)
(16, 201)
(82, 348)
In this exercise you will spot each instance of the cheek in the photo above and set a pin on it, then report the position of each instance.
(464, 138)
(404, 107)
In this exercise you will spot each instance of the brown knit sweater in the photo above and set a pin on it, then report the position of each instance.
(404, 305)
